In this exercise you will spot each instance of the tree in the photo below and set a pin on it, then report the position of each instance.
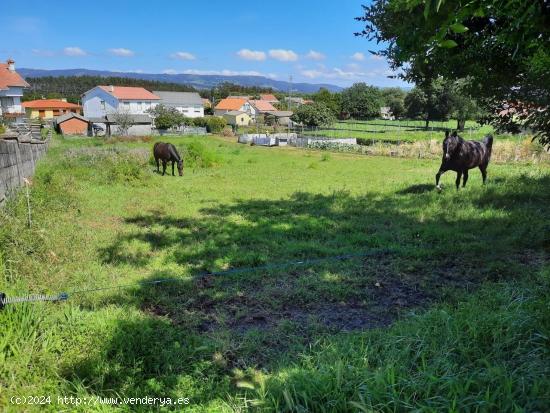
(165, 117)
(433, 101)
(397, 107)
(503, 46)
(415, 104)
(331, 100)
(361, 101)
(464, 106)
(394, 98)
(124, 122)
(314, 114)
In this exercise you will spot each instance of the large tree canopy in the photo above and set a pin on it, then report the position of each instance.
(314, 114)
(361, 101)
(502, 47)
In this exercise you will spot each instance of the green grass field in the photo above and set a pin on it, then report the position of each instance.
(448, 311)
(404, 130)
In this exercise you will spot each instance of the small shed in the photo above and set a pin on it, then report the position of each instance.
(237, 118)
(141, 124)
(72, 124)
(282, 117)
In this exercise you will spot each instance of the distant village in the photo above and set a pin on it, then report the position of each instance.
(102, 105)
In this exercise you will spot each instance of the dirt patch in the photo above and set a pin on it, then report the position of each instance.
(381, 304)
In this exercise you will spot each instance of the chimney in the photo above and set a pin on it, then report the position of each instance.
(111, 88)
(63, 99)
(11, 65)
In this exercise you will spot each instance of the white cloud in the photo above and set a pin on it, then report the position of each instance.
(313, 55)
(183, 56)
(283, 55)
(74, 51)
(170, 72)
(248, 54)
(376, 57)
(122, 52)
(358, 56)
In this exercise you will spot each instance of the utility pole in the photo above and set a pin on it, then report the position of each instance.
(289, 90)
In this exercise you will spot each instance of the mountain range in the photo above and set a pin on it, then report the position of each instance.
(197, 81)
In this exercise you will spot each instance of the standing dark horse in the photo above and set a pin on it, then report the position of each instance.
(167, 152)
(460, 156)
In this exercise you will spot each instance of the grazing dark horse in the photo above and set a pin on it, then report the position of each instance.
(167, 152)
(460, 156)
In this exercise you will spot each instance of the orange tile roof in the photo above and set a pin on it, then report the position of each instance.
(9, 78)
(49, 104)
(130, 93)
(269, 97)
(262, 105)
(230, 104)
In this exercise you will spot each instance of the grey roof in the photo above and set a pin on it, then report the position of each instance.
(70, 115)
(179, 98)
(234, 113)
(110, 118)
(281, 113)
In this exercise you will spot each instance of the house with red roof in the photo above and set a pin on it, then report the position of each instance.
(269, 98)
(11, 92)
(49, 108)
(262, 106)
(231, 104)
(104, 100)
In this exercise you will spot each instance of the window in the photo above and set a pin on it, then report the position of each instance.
(102, 103)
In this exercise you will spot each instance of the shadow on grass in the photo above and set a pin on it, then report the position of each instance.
(205, 326)
(417, 189)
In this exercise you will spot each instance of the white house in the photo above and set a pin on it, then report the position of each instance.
(386, 113)
(103, 100)
(11, 92)
(187, 103)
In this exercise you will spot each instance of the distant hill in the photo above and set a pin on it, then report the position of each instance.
(196, 81)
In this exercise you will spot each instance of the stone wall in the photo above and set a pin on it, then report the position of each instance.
(18, 158)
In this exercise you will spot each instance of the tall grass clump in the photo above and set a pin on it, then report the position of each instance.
(198, 155)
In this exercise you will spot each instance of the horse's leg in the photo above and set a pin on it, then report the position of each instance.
(163, 167)
(158, 165)
(483, 170)
(438, 176)
(465, 178)
(457, 182)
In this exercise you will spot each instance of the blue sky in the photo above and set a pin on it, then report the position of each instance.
(311, 40)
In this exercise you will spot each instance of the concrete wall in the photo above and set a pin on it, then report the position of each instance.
(304, 141)
(18, 158)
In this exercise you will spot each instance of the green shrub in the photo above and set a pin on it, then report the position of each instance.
(126, 168)
(197, 155)
(200, 122)
(215, 124)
